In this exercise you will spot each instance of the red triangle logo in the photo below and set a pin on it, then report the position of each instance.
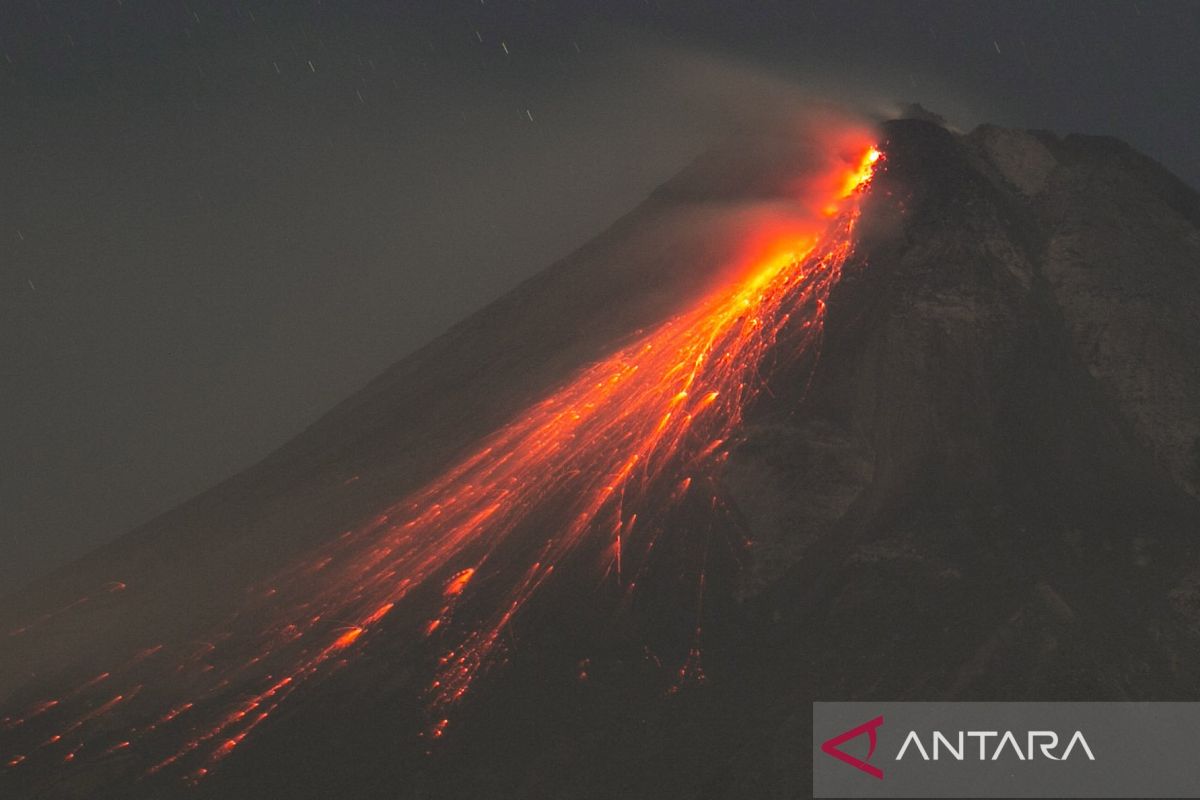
(833, 747)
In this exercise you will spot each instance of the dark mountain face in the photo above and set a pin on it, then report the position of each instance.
(986, 487)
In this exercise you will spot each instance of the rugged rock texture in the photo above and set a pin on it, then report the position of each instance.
(989, 488)
(1017, 358)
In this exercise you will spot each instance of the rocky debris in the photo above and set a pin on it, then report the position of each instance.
(1019, 156)
(1016, 357)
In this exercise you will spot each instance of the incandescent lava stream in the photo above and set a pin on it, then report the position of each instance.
(590, 469)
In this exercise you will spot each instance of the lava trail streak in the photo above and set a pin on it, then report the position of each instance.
(586, 472)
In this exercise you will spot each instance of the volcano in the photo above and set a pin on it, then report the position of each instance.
(862, 414)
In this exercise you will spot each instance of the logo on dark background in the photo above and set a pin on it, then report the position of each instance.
(833, 746)
(1005, 749)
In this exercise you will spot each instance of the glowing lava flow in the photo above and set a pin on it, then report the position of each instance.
(590, 463)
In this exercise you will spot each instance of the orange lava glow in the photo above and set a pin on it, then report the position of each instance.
(592, 463)
(866, 169)
(348, 638)
(459, 582)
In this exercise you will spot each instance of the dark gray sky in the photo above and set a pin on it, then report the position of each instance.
(219, 218)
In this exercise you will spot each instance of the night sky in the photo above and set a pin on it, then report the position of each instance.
(217, 219)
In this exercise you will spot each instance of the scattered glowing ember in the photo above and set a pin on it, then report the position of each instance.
(459, 582)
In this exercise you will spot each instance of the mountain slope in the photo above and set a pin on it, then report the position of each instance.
(986, 487)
